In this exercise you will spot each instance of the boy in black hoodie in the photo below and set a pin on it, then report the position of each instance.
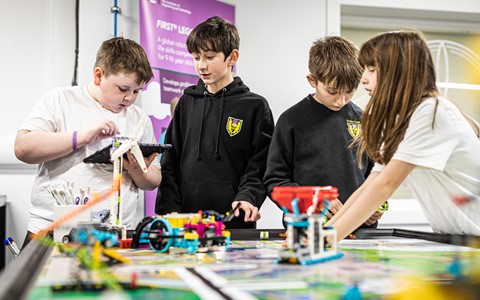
(311, 143)
(220, 133)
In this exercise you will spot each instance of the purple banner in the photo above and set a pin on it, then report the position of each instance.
(164, 27)
(158, 95)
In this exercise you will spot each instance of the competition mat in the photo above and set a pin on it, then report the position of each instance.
(377, 265)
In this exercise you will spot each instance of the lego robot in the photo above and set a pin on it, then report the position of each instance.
(203, 231)
(305, 213)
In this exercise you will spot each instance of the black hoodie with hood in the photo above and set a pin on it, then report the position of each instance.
(220, 144)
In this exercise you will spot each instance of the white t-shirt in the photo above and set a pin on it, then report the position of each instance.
(71, 109)
(447, 159)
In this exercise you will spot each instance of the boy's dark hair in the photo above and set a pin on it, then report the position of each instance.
(215, 34)
(120, 55)
(333, 60)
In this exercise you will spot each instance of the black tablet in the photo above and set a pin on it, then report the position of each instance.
(102, 156)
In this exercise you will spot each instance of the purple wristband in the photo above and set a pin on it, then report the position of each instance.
(74, 141)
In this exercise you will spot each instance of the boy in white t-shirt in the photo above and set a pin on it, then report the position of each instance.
(416, 137)
(70, 123)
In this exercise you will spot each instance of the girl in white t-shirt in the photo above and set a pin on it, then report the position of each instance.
(416, 137)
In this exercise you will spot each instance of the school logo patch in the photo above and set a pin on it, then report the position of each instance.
(354, 128)
(234, 126)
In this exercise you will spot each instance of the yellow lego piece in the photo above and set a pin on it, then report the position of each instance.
(178, 220)
(114, 255)
(190, 236)
(96, 255)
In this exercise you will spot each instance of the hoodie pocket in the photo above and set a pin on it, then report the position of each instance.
(207, 196)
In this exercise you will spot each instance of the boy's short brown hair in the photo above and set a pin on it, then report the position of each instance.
(215, 34)
(120, 55)
(333, 60)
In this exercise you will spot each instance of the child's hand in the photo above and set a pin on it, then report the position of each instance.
(100, 131)
(131, 165)
(251, 212)
(335, 206)
(376, 216)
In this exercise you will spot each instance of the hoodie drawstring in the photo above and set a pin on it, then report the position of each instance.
(199, 155)
(222, 104)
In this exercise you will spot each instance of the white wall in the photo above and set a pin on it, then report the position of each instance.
(463, 6)
(27, 60)
(38, 54)
(275, 39)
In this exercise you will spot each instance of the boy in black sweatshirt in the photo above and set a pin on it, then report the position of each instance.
(220, 133)
(310, 145)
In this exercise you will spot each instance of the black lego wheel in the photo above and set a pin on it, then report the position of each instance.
(66, 239)
(158, 236)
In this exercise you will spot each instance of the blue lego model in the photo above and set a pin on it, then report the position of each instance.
(88, 234)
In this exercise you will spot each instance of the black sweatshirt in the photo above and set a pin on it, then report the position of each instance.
(220, 145)
(310, 147)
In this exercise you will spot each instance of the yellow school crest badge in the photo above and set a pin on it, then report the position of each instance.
(234, 126)
(354, 128)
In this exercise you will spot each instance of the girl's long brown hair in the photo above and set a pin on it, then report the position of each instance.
(405, 77)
